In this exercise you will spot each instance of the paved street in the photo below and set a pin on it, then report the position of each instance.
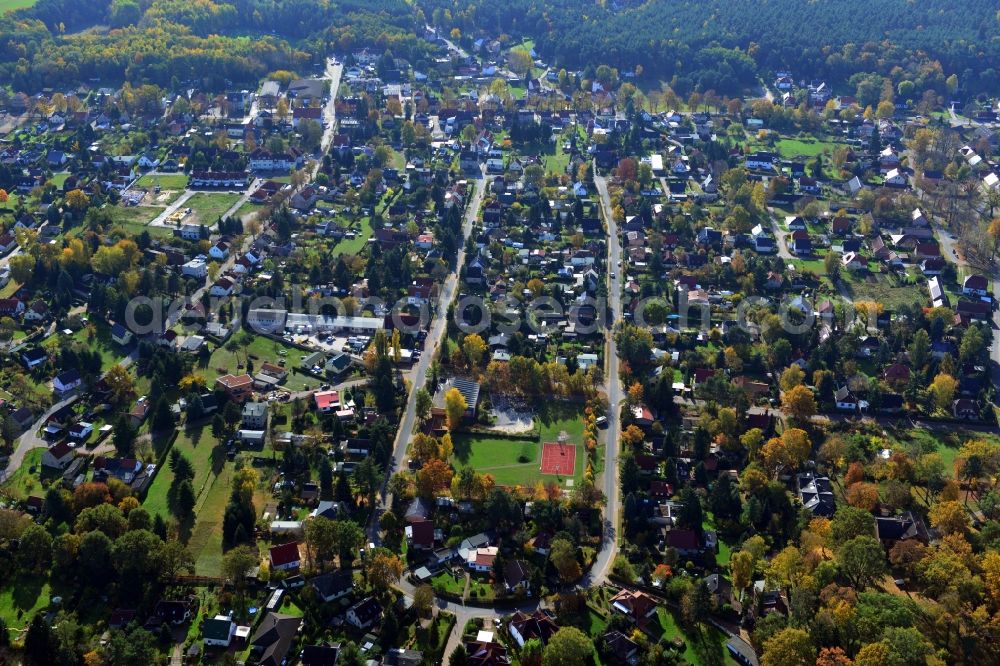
(418, 375)
(613, 387)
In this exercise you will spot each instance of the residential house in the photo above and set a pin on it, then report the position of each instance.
(67, 381)
(37, 311)
(332, 586)
(285, 557)
(319, 655)
(904, 527)
(896, 178)
(637, 606)
(254, 416)
(273, 639)
(976, 285)
(486, 653)
(420, 534)
(761, 161)
(124, 469)
(58, 456)
(845, 399)
(121, 335)
(619, 648)
(81, 430)
(965, 408)
(218, 631)
(239, 388)
(364, 613)
(539, 625)
(219, 251)
(816, 494)
(517, 576)
(11, 307)
(34, 357)
(687, 543)
(481, 559)
(327, 401)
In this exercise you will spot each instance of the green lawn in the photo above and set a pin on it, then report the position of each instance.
(173, 181)
(205, 543)
(247, 209)
(8, 5)
(22, 598)
(133, 215)
(232, 358)
(706, 645)
(356, 244)
(23, 483)
(807, 147)
(882, 289)
(100, 342)
(208, 207)
(514, 462)
(487, 452)
(57, 178)
(206, 456)
(446, 582)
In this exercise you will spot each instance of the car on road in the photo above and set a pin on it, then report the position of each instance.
(738, 656)
(602, 422)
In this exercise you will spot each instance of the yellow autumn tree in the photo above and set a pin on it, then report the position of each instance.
(455, 406)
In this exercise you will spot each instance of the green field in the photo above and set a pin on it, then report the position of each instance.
(356, 244)
(247, 209)
(206, 456)
(137, 216)
(789, 148)
(208, 207)
(515, 461)
(8, 5)
(172, 181)
(205, 543)
(232, 357)
(22, 598)
(881, 289)
(23, 483)
(707, 645)
(100, 342)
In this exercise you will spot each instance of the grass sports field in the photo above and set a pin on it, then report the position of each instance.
(516, 461)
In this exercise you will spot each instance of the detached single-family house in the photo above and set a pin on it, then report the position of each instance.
(34, 357)
(219, 251)
(482, 559)
(274, 638)
(67, 381)
(976, 285)
(120, 335)
(845, 400)
(637, 606)
(219, 631)
(896, 178)
(58, 456)
(965, 408)
(365, 613)
(332, 586)
(285, 556)
(524, 627)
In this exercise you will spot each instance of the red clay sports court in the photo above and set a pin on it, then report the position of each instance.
(558, 458)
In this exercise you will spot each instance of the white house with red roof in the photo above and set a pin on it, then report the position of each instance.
(285, 557)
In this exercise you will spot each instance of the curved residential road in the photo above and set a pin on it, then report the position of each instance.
(418, 375)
